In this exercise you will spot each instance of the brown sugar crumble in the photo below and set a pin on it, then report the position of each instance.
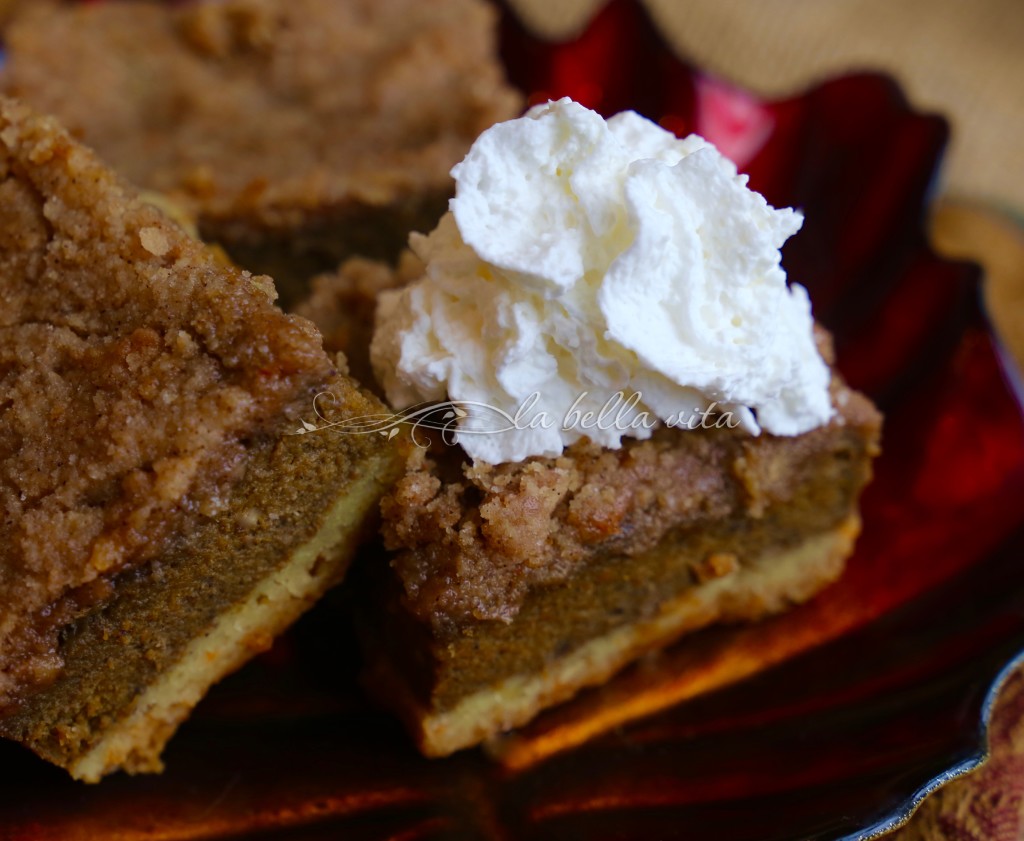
(298, 133)
(133, 367)
(472, 540)
(343, 305)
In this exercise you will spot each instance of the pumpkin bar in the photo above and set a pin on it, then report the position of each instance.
(513, 586)
(159, 520)
(298, 133)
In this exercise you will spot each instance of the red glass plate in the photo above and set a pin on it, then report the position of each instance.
(829, 722)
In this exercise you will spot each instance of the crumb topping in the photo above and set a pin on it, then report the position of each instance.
(471, 540)
(268, 108)
(343, 305)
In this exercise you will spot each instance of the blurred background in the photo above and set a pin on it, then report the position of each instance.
(963, 59)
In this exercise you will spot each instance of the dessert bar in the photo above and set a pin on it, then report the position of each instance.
(161, 521)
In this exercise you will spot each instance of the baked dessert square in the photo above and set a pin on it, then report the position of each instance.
(297, 133)
(160, 522)
(637, 428)
(513, 586)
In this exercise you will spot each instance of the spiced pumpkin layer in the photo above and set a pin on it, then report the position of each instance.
(515, 586)
(135, 663)
(298, 132)
(144, 390)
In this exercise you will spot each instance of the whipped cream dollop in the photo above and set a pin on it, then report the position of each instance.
(583, 259)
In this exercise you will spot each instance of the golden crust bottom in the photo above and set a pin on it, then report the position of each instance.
(135, 742)
(768, 585)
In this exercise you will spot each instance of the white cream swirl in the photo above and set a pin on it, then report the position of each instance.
(581, 258)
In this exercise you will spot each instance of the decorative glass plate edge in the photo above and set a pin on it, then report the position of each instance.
(906, 811)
